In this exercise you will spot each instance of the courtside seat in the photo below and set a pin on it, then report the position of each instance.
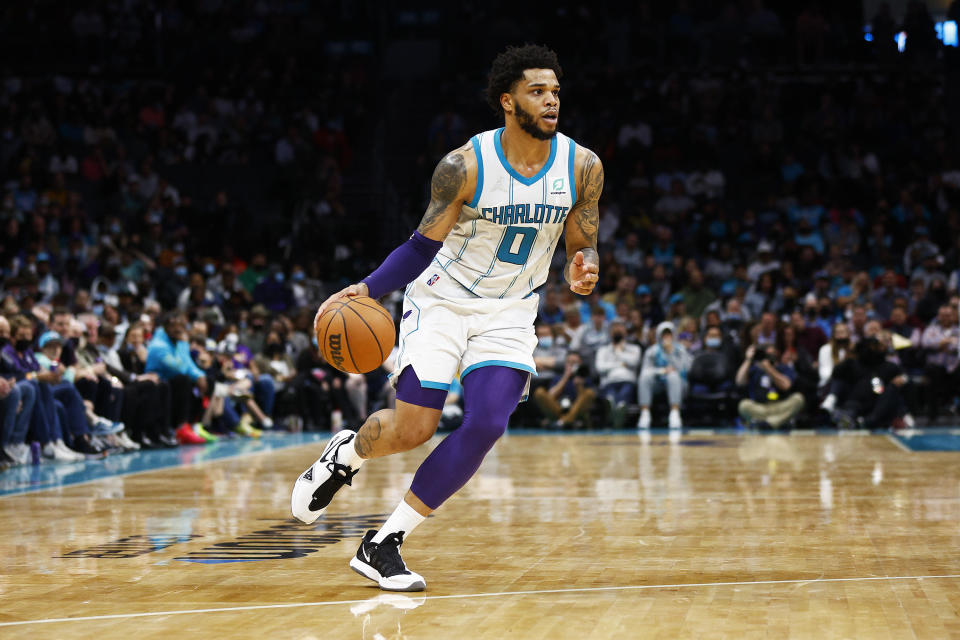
(712, 394)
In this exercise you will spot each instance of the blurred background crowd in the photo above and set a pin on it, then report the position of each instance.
(183, 182)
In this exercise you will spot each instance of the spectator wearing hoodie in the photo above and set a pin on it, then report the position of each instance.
(168, 356)
(664, 368)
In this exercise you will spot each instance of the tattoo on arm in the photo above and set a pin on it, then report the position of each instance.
(445, 187)
(368, 434)
(586, 213)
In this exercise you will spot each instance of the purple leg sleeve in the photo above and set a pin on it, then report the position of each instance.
(490, 395)
(410, 391)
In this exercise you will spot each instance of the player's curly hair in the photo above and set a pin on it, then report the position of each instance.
(508, 67)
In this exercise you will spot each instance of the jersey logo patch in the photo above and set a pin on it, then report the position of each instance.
(557, 188)
(433, 280)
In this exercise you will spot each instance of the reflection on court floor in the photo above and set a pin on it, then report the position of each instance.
(706, 534)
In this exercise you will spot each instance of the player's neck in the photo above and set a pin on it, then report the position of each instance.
(525, 153)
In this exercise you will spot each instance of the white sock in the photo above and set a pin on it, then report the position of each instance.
(348, 455)
(404, 518)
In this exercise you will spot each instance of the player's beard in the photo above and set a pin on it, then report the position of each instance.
(528, 123)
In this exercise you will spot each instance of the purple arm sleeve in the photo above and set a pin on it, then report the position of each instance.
(403, 265)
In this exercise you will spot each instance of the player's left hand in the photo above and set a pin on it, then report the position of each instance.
(583, 275)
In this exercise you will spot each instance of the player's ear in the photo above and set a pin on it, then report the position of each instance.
(506, 102)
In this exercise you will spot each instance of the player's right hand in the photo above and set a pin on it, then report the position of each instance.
(359, 289)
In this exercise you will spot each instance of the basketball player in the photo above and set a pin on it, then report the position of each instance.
(498, 206)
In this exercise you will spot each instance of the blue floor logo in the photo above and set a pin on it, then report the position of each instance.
(131, 546)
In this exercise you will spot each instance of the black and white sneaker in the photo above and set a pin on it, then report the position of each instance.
(316, 486)
(382, 564)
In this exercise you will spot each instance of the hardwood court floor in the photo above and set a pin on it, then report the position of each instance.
(556, 537)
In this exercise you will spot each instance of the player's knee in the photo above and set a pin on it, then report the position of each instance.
(485, 431)
(416, 434)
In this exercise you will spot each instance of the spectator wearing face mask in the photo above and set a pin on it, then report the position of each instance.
(46, 426)
(664, 369)
(173, 281)
(302, 294)
(273, 291)
(618, 363)
(867, 388)
(548, 355)
(712, 368)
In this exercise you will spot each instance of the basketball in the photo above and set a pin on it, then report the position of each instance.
(356, 334)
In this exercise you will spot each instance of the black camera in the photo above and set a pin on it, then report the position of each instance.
(583, 371)
(760, 355)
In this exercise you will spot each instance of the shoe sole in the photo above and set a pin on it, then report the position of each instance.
(370, 573)
(301, 485)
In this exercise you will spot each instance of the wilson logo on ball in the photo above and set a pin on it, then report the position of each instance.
(336, 353)
(355, 335)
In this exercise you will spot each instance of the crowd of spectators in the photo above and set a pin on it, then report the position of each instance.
(162, 180)
(788, 230)
(167, 234)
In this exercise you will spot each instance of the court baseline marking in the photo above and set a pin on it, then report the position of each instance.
(899, 443)
(637, 587)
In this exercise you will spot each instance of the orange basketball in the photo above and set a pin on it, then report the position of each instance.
(356, 334)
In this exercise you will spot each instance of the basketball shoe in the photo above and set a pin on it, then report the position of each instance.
(201, 431)
(382, 564)
(316, 486)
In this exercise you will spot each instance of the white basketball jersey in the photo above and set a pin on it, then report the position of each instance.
(504, 239)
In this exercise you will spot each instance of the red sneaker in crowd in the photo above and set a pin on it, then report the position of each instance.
(185, 435)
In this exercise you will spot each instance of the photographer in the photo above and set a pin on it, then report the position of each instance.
(768, 379)
(569, 397)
